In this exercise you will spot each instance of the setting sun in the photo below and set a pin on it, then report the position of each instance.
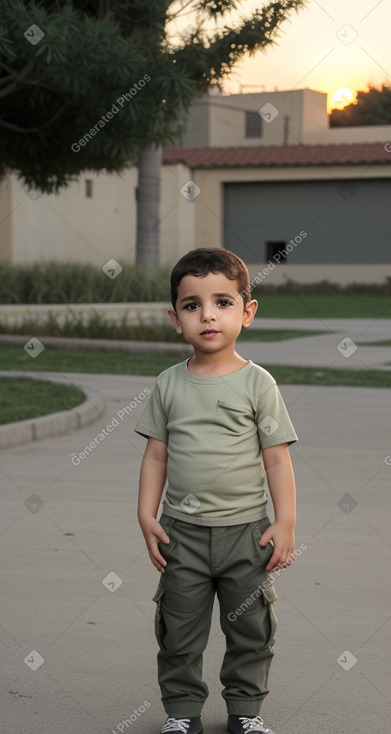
(342, 97)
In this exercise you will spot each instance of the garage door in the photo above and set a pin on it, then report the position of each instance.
(344, 221)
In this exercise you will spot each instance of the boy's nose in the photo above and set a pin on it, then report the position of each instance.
(207, 314)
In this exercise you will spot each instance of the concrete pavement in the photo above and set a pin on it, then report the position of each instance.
(76, 619)
(329, 349)
(341, 346)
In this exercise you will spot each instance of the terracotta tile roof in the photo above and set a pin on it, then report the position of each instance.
(280, 155)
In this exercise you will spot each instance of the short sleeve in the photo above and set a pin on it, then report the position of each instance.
(153, 421)
(273, 421)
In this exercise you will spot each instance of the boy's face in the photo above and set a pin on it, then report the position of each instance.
(210, 312)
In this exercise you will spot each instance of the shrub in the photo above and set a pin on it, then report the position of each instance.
(72, 282)
(52, 282)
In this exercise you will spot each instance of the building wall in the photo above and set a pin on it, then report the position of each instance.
(210, 219)
(227, 123)
(197, 127)
(70, 226)
(227, 120)
(220, 121)
(341, 274)
(177, 214)
(335, 135)
(5, 220)
(315, 120)
(210, 214)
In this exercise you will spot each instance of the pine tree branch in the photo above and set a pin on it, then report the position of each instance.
(18, 77)
(17, 128)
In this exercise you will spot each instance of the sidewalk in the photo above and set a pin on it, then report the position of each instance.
(315, 351)
(322, 350)
(65, 528)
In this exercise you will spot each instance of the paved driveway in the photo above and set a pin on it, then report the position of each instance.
(78, 655)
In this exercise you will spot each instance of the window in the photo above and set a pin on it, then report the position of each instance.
(253, 125)
(276, 247)
(89, 188)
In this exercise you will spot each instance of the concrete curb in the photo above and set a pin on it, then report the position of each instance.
(53, 424)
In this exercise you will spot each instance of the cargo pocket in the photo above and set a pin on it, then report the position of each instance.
(160, 627)
(269, 596)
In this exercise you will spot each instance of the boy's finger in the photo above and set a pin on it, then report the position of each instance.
(161, 533)
(274, 563)
(278, 562)
(154, 550)
(158, 561)
(265, 539)
(163, 537)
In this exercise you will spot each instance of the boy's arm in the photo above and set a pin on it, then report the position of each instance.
(281, 481)
(152, 480)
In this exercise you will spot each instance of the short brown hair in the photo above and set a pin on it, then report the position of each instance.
(204, 260)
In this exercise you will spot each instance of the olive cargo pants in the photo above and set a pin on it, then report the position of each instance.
(202, 561)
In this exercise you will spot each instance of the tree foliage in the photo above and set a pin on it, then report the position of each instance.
(105, 80)
(371, 108)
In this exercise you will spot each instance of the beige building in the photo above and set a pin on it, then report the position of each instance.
(262, 168)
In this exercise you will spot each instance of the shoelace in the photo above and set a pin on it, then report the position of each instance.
(256, 724)
(181, 725)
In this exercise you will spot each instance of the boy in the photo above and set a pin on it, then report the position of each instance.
(210, 421)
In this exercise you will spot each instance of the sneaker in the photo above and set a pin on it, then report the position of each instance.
(183, 726)
(247, 725)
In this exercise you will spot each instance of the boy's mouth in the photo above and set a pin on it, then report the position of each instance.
(209, 332)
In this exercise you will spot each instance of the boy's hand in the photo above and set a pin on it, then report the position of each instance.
(154, 533)
(283, 539)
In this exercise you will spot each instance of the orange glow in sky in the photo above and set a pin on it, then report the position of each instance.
(328, 46)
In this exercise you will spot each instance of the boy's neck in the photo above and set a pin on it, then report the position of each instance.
(215, 364)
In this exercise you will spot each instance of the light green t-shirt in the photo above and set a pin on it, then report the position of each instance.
(215, 429)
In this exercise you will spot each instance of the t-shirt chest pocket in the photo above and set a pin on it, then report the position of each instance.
(233, 418)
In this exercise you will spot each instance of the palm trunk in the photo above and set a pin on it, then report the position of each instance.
(148, 199)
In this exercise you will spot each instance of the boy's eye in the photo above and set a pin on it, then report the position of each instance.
(224, 303)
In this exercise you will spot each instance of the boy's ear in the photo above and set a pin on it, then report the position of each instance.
(174, 318)
(249, 312)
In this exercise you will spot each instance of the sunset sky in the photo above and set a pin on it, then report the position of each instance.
(311, 54)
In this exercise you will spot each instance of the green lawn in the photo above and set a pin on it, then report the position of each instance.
(54, 359)
(334, 306)
(287, 375)
(118, 362)
(23, 398)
